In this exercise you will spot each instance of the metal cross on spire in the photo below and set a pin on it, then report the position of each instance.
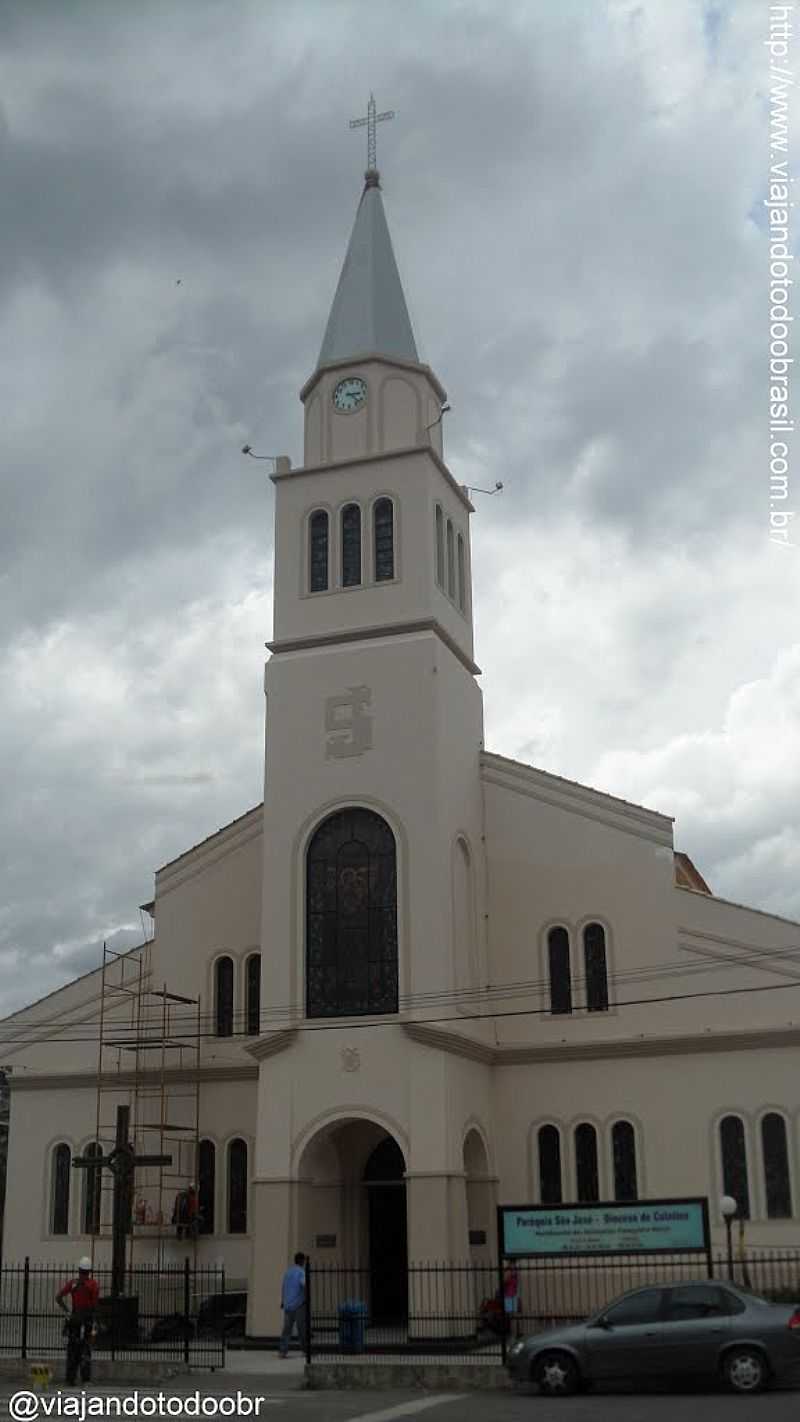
(370, 121)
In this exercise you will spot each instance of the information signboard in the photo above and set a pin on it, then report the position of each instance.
(638, 1227)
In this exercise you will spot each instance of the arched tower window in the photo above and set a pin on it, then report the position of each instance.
(594, 955)
(223, 996)
(549, 1142)
(462, 576)
(734, 1163)
(253, 991)
(560, 976)
(383, 538)
(623, 1150)
(451, 560)
(237, 1187)
(318, 551)
(777, 1180)
(351, 546)
(351, 916)
(586, 1164)
(92, 1187)
(439, 547)
(206, 1184)
(62, 1169)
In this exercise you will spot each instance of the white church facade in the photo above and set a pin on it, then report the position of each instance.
(420, 965)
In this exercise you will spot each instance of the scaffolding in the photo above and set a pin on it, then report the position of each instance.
(149, 1059)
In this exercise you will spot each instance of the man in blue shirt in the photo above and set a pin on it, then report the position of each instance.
(293, 1303)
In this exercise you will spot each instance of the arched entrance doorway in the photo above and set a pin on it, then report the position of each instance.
(384, 1178)
(353, 1210)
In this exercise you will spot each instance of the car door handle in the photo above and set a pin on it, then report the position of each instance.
(651, 1333)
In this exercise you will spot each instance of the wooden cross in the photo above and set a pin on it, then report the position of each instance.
(122, 1162)
(370, 121)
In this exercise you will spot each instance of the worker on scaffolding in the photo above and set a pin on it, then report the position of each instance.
(79, 1327)
(186, 1213)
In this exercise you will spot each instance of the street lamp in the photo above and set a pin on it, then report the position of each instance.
(729, 1207)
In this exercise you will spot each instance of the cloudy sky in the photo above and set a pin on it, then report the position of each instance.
(574, 193)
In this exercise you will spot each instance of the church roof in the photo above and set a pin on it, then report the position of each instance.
(369, 315)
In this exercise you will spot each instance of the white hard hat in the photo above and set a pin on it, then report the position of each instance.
(85, 1262)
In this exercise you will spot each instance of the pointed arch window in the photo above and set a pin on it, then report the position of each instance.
(223, 996)
(439, 547)
(451, 560)
(351, 916)
(237, 1187)
(623, 1150)
(777, 1180)
(318, 540)
(594, 955)
(92, 1188)
(586, 1164)
(351, 546)
(462, 576)
(733, 1149)
(560, 976)
(383, 538)
(62, 1170)
(253, 992)
(206, 1184)
(549, 1142)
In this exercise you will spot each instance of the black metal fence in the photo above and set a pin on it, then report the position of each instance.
(447, 1310)
(177, 1313)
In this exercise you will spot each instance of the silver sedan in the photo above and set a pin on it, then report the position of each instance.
(708, 1330)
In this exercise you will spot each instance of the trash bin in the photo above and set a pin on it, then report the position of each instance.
(352, 1324)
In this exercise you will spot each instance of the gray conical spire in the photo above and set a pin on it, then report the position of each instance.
(369, 313)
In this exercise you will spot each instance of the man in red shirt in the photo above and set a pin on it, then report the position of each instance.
(83, 1292)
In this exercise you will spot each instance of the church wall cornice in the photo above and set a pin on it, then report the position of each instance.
(125, 1080)
(403, 453)
(567, 795)
(347, 363)
(369, 634)
(679, 1044)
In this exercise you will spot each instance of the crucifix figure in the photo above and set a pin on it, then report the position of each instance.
(370, 121)
(122, 1163)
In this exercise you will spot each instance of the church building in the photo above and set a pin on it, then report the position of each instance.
(422, 978)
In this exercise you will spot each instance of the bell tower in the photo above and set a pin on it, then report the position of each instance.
(373, 882)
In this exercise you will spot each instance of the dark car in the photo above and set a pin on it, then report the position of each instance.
(706, 1330)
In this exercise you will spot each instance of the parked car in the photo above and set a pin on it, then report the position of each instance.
(706, 1330)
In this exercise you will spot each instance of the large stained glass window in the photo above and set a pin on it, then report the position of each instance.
(351, 916)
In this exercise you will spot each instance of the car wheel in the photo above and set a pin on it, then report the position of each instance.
(556, 1374)
(744, 1369)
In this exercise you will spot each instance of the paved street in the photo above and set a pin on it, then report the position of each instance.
(285, 1400)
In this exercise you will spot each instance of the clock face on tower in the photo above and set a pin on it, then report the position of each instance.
(350, 394)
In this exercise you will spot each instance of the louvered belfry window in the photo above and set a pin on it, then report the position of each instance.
(383, 519)
(351, 546)
(318, 551)
(351, 917)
